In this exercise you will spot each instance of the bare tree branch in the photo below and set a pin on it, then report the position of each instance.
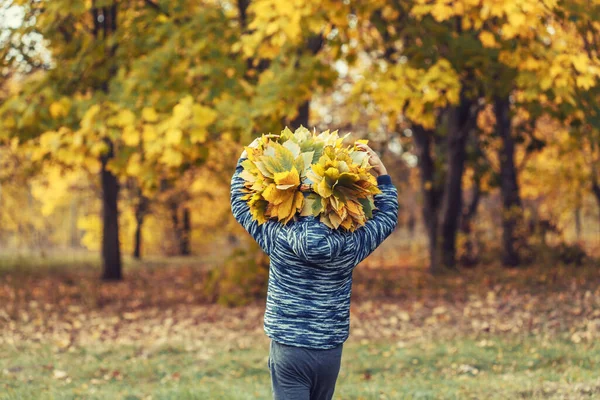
(157, 7)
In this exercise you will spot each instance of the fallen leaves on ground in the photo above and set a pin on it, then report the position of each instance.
(157, 306)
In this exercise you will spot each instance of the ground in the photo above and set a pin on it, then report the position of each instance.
(488, 333)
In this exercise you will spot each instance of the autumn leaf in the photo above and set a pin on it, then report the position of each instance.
(277, 168)
(149, 114)
(487, 39)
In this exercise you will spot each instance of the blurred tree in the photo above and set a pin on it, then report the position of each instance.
(583, 114)
(126, 99)
(141, 93)
(438, 62)
(291, 47)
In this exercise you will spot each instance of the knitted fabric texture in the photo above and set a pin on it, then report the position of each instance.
(310, 270)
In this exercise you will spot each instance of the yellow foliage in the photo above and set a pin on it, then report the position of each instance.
(149, 114)
(487, 39)
(275, 24)
(130, 136)
(122, 119)
(149, 133)
(134, 166)
(59, 109)
(413, 92)
(171, 157)
(173, 136)
(557, 176)
(342, 188)
(92, 226)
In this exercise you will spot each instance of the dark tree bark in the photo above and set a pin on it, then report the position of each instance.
(252, 64)
(184, 248)
(313, 45)
(469, 258)
(424, 143)
(182, 228)
(458, 130)
(243, 12)
(140, 214)
(442, 203)
(511, 201)
(596, 191)
(111, 249)
(302, 117)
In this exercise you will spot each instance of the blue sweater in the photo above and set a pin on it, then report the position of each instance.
(310, 271)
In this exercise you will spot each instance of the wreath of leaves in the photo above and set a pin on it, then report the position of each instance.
(281, 168)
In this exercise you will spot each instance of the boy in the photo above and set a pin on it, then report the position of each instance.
(307, 313)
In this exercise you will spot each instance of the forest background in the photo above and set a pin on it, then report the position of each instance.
(121, 123)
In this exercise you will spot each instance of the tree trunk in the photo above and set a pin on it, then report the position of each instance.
(182, 229)
(314, 44)
(423, 143)
(140, 213)
(596, 191)
(184, 242)
(469, 258)
(511, 201)
(111, 251)
(452, 203)
(577, 215)
(302, 117)
(102, 29)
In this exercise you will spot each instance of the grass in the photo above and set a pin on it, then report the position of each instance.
(487, 333)
(493, 368)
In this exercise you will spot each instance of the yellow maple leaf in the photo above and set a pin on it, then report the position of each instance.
(57, 110)
(487, 39)
(203, 116)
(149, 133)
(580, 62)
(441, 12)
(198, 135)
(272, 195)
(130, 136)
(585, 82)
(123, 118)
(149, 114)
(171, 157)
(133, 165)
(286, 180)
(173, 136)
(516, 19)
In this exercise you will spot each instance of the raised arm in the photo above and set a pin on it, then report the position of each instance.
(385, 218)
(265, 234)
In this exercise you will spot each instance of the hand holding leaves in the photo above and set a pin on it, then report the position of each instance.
(374, 159)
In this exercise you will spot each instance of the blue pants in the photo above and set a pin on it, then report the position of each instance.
(299, 373)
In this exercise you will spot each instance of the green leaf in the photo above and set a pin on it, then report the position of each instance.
(368, 207)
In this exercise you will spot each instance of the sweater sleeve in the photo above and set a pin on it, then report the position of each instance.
(265, 234)
(385, 218)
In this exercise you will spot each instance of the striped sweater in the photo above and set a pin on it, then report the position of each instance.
(310, 270)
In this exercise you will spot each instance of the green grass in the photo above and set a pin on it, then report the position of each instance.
(40, 298)
(493, 368)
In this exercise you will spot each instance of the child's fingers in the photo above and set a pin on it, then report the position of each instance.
(368, 150)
